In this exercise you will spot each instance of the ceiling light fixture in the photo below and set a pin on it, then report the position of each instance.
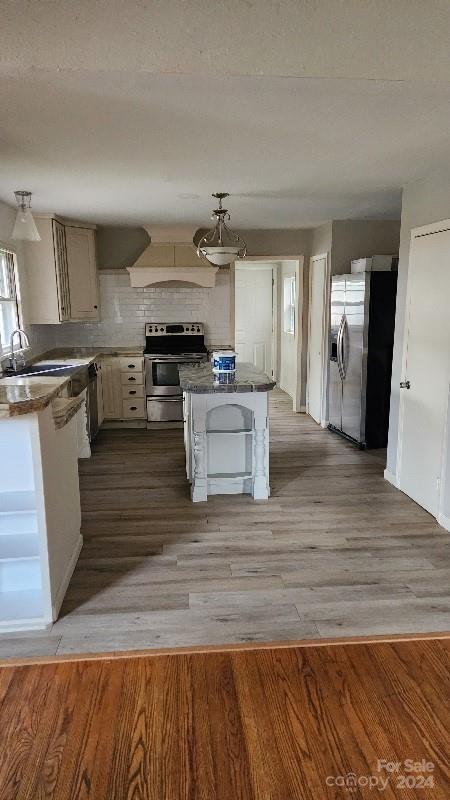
(25, 226)
(220, 246)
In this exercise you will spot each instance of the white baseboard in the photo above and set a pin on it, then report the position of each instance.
(56, 605)
(444, 521)
(390, 477)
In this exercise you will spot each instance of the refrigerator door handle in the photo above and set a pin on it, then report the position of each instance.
(339, 349)
(342, 348)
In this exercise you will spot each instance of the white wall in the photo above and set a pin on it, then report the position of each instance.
(424, 201)
(125, 310)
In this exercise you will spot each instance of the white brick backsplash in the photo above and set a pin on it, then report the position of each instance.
(125, 310)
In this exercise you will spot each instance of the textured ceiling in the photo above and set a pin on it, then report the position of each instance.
(377, 39)
(117, 112)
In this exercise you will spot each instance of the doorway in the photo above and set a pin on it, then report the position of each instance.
(255, 303)
(268, 319)
(318, 318)
(423, 472)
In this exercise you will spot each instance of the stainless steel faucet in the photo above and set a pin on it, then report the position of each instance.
(14, 361)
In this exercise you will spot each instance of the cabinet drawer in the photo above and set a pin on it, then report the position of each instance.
(132, 391)
(132, 364)
(134, 409)
(129, 378)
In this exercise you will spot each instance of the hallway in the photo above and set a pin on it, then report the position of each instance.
(336, 551)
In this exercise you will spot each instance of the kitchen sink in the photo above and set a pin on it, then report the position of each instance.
(42, 369)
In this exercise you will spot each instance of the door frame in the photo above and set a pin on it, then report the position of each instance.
(299, 271)
(444, 520)
(325, 336)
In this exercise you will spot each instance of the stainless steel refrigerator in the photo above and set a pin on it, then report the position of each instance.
(361, 345)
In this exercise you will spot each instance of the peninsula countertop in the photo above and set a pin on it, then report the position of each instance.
(200, 379)
(25, 395)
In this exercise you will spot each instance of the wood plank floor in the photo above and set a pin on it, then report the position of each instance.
(335, 551)
(260, 724)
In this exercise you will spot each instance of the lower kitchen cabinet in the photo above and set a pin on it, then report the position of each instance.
(111, 388)
(123, 388)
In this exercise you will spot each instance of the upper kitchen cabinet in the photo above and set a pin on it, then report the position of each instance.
(61, 273)
(82, 272)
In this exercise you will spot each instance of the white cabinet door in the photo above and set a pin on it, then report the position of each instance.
(62, 277)
(424, 405)
(82, 272)
(111, 388)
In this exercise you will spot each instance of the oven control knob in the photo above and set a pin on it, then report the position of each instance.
(198, 330)
(162, 330)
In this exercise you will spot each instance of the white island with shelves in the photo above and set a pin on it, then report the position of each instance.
(40, 515)
(226, 431)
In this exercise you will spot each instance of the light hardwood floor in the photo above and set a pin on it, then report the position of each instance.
(335, 551)
(260, 724)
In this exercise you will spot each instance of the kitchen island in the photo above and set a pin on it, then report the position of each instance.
(226, 431)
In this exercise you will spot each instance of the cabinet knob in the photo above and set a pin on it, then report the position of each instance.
(131, 379)
(131, 366)
(132, 391)
(133, 408)
(95, 306)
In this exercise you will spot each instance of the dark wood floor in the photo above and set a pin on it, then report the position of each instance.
(267, 724)
(335, 551)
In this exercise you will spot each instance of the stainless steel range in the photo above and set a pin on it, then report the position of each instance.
(167, 346)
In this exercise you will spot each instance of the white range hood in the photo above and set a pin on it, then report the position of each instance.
(170, 258)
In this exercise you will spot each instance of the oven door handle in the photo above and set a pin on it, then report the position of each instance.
(173, 360)
(160, 399)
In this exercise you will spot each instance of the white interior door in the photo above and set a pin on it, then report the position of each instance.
(316, 340)
(427, 368)
(253, 316)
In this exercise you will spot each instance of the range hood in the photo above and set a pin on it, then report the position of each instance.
(171, 258)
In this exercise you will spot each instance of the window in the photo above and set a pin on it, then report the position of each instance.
(289, 304)
(9, 306)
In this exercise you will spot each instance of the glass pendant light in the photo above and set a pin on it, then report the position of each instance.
(220, 246)
(25, 226)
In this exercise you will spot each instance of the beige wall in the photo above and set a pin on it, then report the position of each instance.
(360, 238)
(321, 239)
(424, 202)
(119, 247)
(272, 242)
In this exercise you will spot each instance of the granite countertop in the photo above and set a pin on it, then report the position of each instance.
(20, 395)
(28, 395)
(200, 379)
(63, 409)
(88, 354)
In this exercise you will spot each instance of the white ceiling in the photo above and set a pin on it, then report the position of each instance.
(136, 148)
(123, 141)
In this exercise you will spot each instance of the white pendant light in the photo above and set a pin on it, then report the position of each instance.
(25, 226)
(220, 246)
